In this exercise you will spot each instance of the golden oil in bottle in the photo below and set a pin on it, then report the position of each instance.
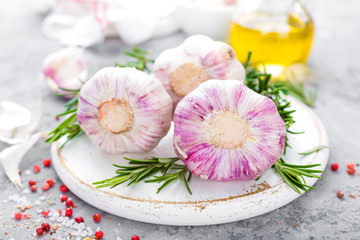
(275, 40)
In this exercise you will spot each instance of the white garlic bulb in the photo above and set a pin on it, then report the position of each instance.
(196, 60)
(124, 110)
(65, 69)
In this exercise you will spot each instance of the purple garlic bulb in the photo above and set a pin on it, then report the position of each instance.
(124, 110)
(196, 60)
(225, 131)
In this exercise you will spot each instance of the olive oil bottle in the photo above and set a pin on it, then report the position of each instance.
(277, 36)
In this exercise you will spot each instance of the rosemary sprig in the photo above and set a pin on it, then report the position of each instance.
(293, 175)
(141, 169)
(69, 127)
(143, 58)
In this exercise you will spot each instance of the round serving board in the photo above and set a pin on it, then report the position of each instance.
(80, 163)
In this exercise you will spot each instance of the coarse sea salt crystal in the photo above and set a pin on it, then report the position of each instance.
(81, 226)
(27, 172)
(84, 233)
(69, 223)
(25, 190)
(5, 200)
(90, 231)
(39, 210)
(37, 202)
(118, 238)
(60, 219)
(42, 198)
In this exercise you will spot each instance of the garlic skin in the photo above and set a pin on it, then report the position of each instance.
(196, 60)
(225, 131)
(65, 69)
(124, 110)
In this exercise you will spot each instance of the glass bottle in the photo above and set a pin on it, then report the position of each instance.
(278, 32)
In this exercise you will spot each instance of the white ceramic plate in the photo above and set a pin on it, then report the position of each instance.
(80, 163)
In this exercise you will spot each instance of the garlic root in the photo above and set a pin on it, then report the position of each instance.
(124, 110)
(196, 60)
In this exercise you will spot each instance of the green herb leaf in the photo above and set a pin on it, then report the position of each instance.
(141, 169)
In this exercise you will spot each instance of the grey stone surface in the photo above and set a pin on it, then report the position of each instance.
(319, 214)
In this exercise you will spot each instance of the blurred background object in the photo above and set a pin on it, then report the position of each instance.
(278, 32)
(209, 17)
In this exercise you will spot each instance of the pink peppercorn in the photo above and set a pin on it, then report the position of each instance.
(39, 231)
(45, 187)
(18, 215)
(45, 226)
(32, 182)
(99, 234)
(64, 198)
(350, 165)
(97, 217)
(68, 212)
(69, 203)
(334, 166)
(79, 219)
(50, 181)
(340, 194)
(36, 169)
(135, 237)
(63, 188)
(33, 188)
(46, 162)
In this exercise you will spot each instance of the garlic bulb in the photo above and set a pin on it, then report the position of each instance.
(225, 131)
(65, 69)
(196, 60)
(124, 110)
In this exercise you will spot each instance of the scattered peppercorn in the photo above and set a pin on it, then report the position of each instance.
(50, 181)
(352, 195)
(36, 169)
(334, 166)
(79, 219)
(351, 171)
(45, 187)
(45, 226)
(99, 234)
(39, 231)
(135, 237)
(68, 212)
(69, 203)
(97, 217)
(340, 194)
(63, 188)
(32, 182)
(46, 162)
(33, 188)
(18, 215)
(350, 165)
(64, 198)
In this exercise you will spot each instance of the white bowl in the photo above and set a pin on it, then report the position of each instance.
(211, 18)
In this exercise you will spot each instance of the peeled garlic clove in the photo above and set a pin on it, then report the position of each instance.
(18, 123)
(65, 69)
(196, 60)
(124, 110)
(225, 131)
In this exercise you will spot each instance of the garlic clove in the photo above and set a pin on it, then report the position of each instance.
(11, 157)
(196, 60)
(65, 69)
(225, 131)
(17, 123)
(124, 110)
